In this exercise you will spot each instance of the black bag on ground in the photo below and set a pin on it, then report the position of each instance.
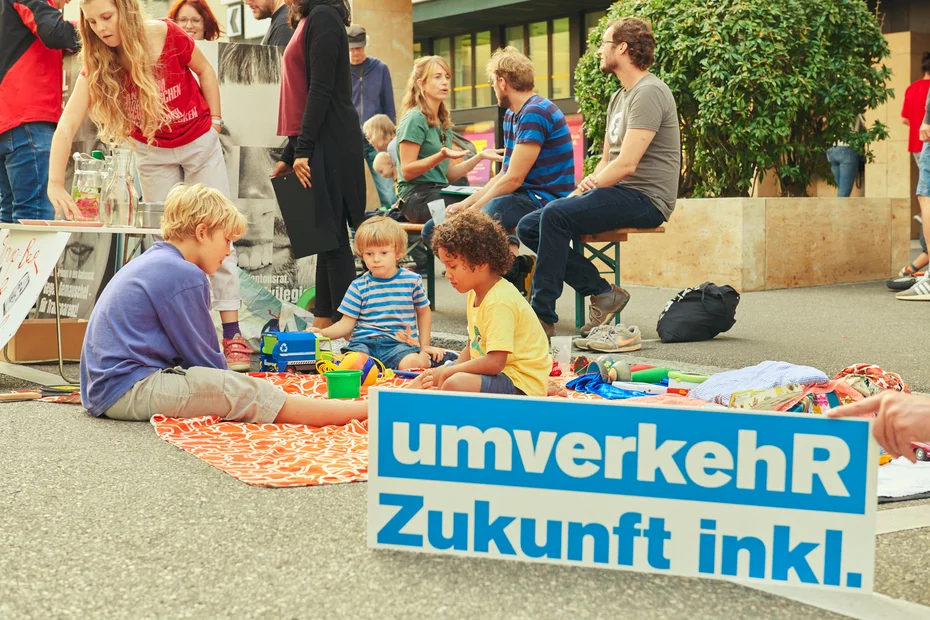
(698, 313)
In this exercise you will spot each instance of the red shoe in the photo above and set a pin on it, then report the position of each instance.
(237, 352)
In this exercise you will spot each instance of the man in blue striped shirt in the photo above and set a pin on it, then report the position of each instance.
(539, 163)
(385, 312)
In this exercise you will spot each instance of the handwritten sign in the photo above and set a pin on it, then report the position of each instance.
(27, 259)
(758, 497)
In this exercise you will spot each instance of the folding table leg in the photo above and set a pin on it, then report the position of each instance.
(61, 360)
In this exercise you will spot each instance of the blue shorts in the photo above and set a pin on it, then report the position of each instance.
(386, 350)
(923, 181)
(499, 384)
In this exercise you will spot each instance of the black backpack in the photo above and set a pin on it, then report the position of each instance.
(698, 313)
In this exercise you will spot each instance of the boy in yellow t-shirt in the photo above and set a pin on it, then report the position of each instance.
(507, 351)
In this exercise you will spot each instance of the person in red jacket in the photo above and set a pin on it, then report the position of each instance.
(912, 113)
(33, 37)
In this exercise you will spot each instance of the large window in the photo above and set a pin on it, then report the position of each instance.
(482, 56)
(561, 62)
(539, 54)
(462, 74)
(441, 47)
(514, 37)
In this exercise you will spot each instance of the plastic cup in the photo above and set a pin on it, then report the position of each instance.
(343, 383)
(437, 209)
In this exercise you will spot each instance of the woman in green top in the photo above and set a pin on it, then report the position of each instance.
(424, 139)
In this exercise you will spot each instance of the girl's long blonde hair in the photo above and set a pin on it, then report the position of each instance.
(105, 78)
(414, 97)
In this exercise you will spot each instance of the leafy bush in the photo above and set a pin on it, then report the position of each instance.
(760, 85)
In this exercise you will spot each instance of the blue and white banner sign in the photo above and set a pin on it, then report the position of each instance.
(766, 498)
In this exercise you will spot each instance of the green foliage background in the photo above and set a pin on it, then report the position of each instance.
(760, 85)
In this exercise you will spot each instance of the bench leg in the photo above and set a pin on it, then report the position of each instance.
(579, 299)
(430, 278)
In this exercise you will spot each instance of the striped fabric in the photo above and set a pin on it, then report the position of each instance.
(385, 307)
(541, 122)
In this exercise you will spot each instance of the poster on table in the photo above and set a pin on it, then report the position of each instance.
(757, 497)
(26, 260)
(272, 282)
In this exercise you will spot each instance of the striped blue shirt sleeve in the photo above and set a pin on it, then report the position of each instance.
(419, 295)
(351, 305)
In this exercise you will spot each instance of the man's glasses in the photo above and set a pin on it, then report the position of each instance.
(193, 21)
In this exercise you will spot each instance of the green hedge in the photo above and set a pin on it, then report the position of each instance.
(760, 85)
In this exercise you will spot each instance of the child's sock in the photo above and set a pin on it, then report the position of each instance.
(230, 330)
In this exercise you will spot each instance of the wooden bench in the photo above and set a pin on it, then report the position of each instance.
(414, 240)
(611, 240)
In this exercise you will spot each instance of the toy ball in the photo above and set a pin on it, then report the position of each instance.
(354, 360)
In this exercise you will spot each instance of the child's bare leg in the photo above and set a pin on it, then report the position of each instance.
(462, 382)
(414, 360)
(316, 412)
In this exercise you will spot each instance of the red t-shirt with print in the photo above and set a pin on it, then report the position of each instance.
(189, 112)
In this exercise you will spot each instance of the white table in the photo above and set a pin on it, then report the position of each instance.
(122, 258)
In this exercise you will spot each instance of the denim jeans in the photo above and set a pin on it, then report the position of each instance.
(508, 210)
(845, 164)
(384, 186)
(550, 231)
(24, 153)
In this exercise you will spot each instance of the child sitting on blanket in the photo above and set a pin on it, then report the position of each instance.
(385, 311)
(507, 350)
(151, 347)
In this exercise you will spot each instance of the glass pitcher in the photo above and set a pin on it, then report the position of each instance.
(86, 186)
(118, 201)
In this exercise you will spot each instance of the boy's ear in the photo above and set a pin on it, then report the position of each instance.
(200, 232)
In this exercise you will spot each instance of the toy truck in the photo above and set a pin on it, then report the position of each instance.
(293, 351)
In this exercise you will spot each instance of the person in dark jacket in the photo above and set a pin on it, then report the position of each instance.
(324, 145)
(33, 35)
(280, 31)
(372, 93)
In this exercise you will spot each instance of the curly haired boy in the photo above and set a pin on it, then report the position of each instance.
(507, 350)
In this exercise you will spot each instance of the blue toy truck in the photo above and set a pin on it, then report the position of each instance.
(282, 351)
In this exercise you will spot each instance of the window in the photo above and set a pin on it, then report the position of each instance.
(561, 63)
(539, 54)
(442, 48)
(417, 50)
(591, 20)
(462, 75)
(514, 37)
(482, 56)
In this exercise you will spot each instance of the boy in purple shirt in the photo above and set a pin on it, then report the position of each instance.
(151, 347)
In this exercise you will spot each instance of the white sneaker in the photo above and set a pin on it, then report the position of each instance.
(583, 343)
(919, 292)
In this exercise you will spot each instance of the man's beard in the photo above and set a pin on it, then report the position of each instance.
(504, 102)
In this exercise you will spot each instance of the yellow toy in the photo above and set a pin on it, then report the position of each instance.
(373, 371)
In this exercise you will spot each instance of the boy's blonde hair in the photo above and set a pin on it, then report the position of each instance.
(379, 126)
(188, 206)
(380, 231)
(514, 67)
(383, 165)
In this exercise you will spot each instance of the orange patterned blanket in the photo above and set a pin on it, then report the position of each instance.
(288, 455)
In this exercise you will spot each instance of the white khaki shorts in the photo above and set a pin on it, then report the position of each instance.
(197, 392)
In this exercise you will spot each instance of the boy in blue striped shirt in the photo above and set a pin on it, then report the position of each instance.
(385, 313)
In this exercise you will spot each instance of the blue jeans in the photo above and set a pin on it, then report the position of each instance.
(384, 186)
(550, 231)
(24, 153)
(386, 350)
(508, 209)
(845, 164)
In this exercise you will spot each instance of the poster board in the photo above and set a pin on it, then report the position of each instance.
(27, 259)
(764, 498)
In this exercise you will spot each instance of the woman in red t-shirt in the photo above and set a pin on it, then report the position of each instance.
(912, 114)
(145, 82)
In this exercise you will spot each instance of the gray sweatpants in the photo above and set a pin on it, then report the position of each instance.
(201, 161)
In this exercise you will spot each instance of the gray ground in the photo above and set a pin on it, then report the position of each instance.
(102, 519)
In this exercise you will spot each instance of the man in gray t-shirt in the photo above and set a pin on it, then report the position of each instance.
(634, 185)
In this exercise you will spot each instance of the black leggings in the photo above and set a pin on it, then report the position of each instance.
(335, 270)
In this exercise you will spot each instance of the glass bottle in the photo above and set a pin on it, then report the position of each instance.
(118, 200)
(86, 185)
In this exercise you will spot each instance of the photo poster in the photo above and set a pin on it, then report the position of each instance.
(576, 128)
(763, 498)
(482, 136)
(273, 283)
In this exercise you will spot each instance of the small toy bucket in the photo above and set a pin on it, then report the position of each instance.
(343, 383)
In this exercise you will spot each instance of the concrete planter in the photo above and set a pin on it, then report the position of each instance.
(759, 244)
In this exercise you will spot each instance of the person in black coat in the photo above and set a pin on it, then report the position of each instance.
(326, 152)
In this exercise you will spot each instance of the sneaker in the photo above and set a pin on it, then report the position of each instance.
(237, 352)
(605, 307)
(582, 343)
(619, 340)
(919, 292)
(602, 336)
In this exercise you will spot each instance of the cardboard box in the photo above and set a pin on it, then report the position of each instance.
(35, 340)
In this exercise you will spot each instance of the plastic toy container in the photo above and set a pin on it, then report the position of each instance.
(683, 382)
(343, 383)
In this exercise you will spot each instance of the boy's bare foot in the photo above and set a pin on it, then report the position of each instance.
(554, 389)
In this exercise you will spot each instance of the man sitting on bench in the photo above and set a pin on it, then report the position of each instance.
(634, 185)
